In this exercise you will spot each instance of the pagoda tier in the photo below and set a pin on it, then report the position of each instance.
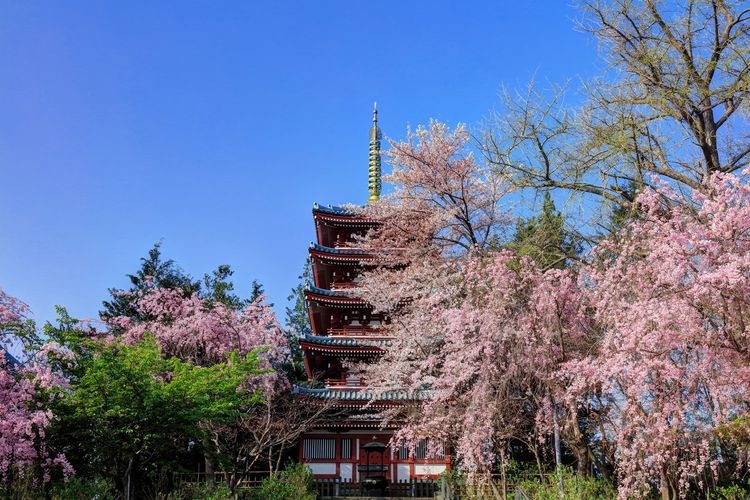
(325, 357)
(337, 268)
(357, 397)
(338, 226)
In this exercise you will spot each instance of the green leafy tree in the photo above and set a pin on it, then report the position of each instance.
(157, 272)
(130, 412)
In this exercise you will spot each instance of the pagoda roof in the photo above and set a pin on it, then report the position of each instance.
(333, 210)
(326, 292)
(332, 297)
(345, 394)
(345, 342)
(338, 251)
(341, 216)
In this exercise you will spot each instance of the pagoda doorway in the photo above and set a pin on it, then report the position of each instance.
(374, 467)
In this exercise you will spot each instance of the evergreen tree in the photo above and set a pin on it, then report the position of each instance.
(297, 317)
(218, 288)
(155, 272)
(621, 214)
(256, 291)
(298, 320)
(544, 238)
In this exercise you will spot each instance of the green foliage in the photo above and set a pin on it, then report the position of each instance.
(256, 291)
(218, 288)
(574, 487)
(20, 487)
(619, 215)
(293, 483)
(200, 491)
(544, 238)
(79, 489)
(297, 317)
(734, 492)
(129, 407)
(298, 320)
(454, 481)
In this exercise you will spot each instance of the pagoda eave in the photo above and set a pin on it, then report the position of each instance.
(349, 351)
(334, 301)
(340, 257)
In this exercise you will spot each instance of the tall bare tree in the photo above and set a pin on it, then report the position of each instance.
(673, 104)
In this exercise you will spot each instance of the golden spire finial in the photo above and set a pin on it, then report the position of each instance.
(374, 163)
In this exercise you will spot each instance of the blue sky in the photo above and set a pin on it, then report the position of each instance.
(214, 126)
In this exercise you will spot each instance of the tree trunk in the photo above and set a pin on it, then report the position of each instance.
(539, 467)
(210, 477)
(558, 450)
(583, 466)
(580, 445)
(278, 461)
(126, 480)
(502, 476)
(666, 487)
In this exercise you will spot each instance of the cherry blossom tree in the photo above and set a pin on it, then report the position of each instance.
(478, 334)
(25, 390)
(670, 295)
(204, 332)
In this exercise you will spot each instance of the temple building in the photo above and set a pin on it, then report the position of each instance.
(350, 445)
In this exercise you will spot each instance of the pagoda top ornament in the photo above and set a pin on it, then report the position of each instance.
(374, 170)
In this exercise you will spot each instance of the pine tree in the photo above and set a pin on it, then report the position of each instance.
(298, 320)
(218, 288)
(154, 273)
(544, 238)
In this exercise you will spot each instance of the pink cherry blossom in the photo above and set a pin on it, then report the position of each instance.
(24, 419)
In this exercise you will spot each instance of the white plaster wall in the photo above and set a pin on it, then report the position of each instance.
(402, 472)
(322, 468)
(422, 469)
(345, 472)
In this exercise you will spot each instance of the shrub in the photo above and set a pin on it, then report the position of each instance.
(293, 483)
(575, 488)
(79, 489)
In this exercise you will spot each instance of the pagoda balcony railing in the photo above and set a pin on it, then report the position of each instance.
(346, 245)
(337, 383)
(355, 331)
(342, 285)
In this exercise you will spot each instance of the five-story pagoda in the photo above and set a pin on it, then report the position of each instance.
(346, 331)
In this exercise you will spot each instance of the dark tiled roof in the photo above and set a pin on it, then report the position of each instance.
(327, 293)
(342, 251)
(333, 210)
(338, 341)
(344, 394)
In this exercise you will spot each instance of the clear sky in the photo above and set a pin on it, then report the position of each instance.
(214, 126)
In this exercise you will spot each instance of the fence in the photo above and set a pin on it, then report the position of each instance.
(414, 488)
(247, 480)
(335, 487)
